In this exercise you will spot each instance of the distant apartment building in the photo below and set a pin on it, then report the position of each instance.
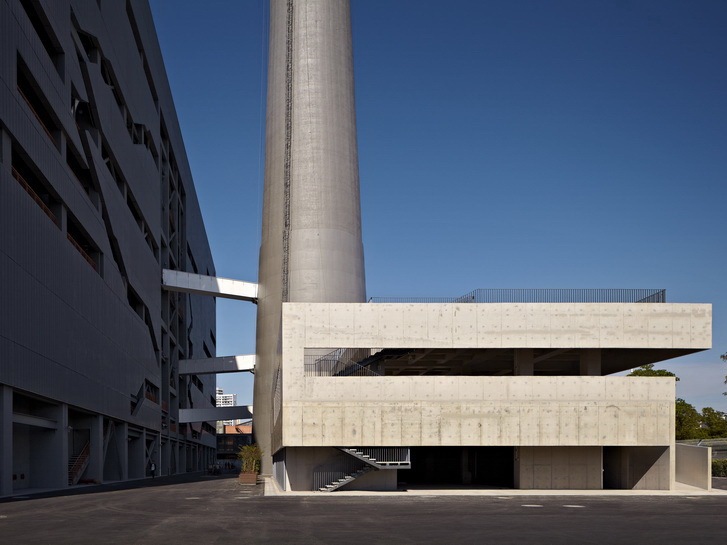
(96, 199)
(225, 400)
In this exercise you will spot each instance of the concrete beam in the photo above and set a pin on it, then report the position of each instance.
(224, 364)
(209, 285)
(36, 421)
(241, 412)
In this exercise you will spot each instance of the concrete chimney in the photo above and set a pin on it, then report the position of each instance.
(311, 248)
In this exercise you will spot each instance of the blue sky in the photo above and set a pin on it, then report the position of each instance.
(514, 144)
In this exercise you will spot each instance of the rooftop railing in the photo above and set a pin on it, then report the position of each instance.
(532, 295)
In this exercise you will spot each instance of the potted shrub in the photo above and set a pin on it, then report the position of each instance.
(249, 456)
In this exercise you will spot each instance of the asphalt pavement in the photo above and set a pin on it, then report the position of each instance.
(205, 509)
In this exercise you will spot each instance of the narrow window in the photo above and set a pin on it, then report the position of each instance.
(28, 176)
(37, 103)
(83, 245)
(45, 33)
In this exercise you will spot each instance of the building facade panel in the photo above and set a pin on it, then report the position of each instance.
(96, 197)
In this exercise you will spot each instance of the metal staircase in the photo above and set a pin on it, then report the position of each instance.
(77, 464)
(360, 460)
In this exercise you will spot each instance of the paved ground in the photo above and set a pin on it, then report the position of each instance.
(212, 510)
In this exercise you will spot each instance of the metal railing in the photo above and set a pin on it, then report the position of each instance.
(78, 464)
(30, 191)
(387, 455)
(339, 468)
(37, 116)
(81, 251)
(334, 365)
(534, 295)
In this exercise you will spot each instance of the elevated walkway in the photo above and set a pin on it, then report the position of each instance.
(209, 285)
(226, 288)
(223, 364)
(240, 412)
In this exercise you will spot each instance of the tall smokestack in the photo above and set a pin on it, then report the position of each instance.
(311, 248)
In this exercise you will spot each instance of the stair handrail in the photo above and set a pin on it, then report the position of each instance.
(336, 364)
(381, 457)
(79, 463)
(333, 470)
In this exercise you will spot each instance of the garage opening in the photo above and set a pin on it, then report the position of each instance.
(486, 467)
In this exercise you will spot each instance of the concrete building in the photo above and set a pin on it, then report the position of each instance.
(96, 198)
(491, 394)
(496, 388)
(225, 400)
(229, 441)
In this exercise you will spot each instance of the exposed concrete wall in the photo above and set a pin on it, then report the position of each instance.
(383, 479)
(638, 468)
(485, 411)
(300, 464)
(694, 465)
(588, 412)
(480, 411)
(561, 468)
(499, 325)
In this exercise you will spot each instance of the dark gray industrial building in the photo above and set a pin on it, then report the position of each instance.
(96, 198)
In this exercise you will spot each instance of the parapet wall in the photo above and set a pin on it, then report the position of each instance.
(694, 466)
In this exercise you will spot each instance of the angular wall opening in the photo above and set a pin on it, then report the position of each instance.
(38, 105)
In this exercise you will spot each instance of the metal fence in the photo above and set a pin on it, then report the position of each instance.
(534, 295)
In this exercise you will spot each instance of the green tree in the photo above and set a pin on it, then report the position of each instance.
(688, 422)
(714, 422)
(649, 371)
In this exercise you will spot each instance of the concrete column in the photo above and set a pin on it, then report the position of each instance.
(60, 467)
(182, 459)
(144, 461)
(165, 456)
(466, 473)
(49, 458)
(6, 440)
(517, 479)
(524, 362)
(96, 459)
(122, 444)
(591, 362)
